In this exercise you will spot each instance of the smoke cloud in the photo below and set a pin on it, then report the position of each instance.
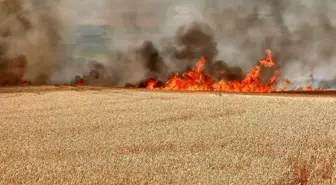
(300, 34)
(153, 39)
(29, 40)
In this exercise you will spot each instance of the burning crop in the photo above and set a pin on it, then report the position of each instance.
(197, 80)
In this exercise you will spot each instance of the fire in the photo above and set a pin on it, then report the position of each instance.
(151, 83)
(192, 80)
(197, 80)
(80, 82)
(268, 61)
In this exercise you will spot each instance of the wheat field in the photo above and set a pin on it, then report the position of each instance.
(111, 136)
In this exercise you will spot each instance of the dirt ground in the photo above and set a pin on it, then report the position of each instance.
(55, 135)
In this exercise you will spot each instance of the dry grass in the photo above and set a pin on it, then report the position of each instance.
(135, 137)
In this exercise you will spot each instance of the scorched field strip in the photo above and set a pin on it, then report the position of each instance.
(134, 137)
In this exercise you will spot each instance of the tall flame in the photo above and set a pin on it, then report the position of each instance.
(197, 80)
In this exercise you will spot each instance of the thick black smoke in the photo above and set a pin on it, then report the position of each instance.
(299, 33)
(178, 54)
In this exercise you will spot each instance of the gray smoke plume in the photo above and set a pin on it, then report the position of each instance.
(29, 40)
(156, 44)
(300, 34)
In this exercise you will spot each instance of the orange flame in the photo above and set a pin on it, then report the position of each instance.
(197, 80)
(151, 83)
(192, 80)
(268, 61)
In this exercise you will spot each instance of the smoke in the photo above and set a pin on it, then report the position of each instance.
(153, 39)
(300, 34)
(30, 40)
(156, 45)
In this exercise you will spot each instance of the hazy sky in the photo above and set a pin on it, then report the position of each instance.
(86, 11)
